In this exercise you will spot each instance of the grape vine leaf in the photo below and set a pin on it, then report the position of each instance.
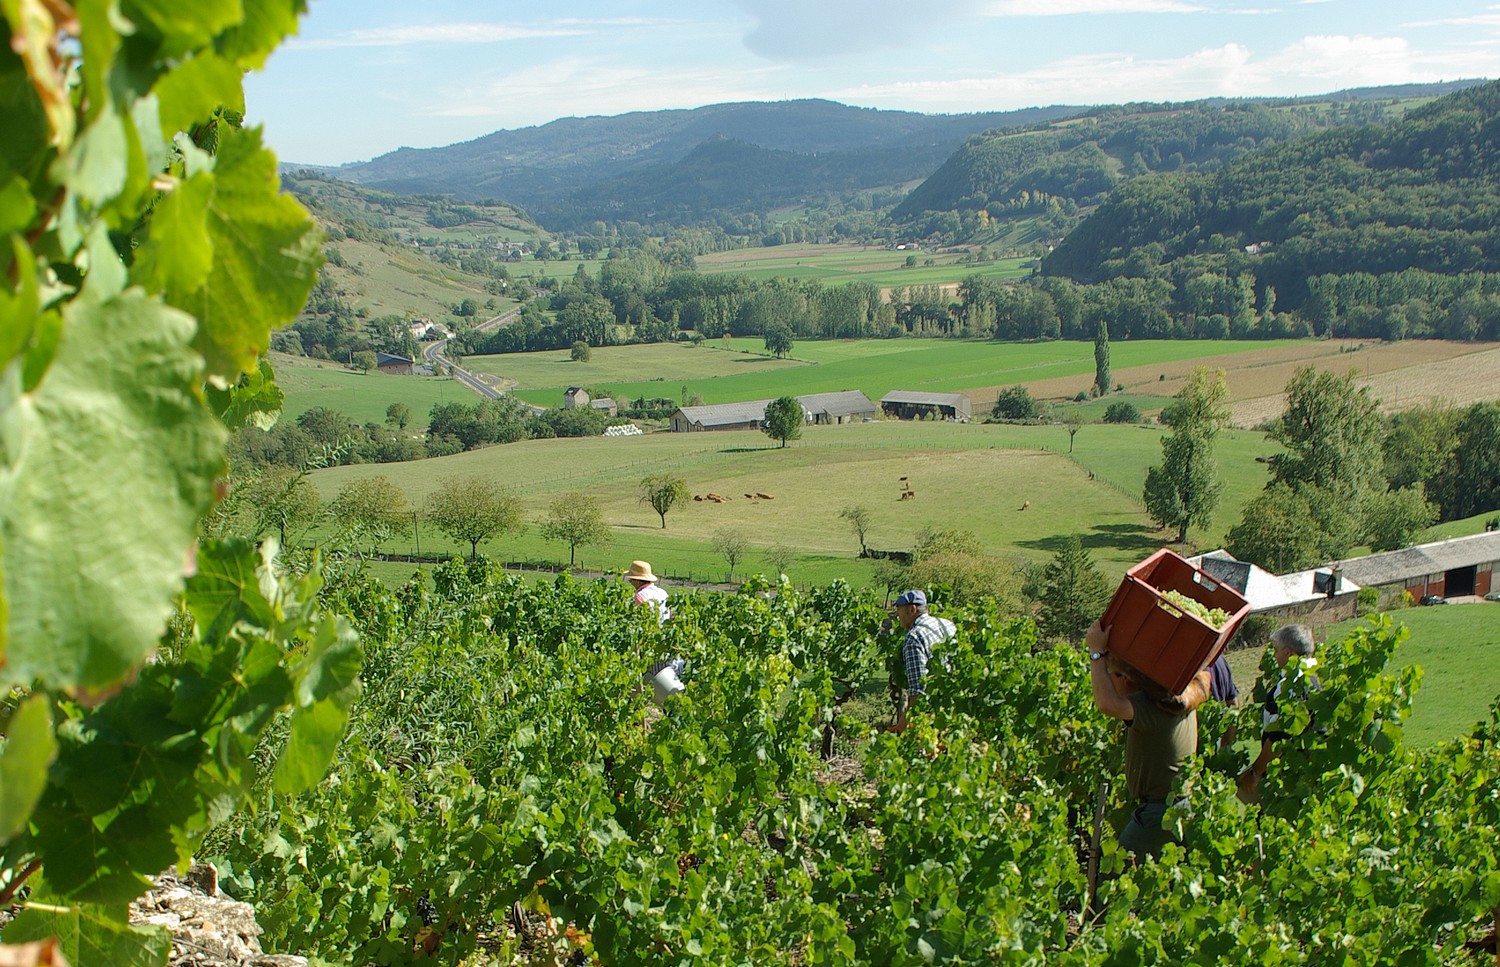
(28, 750)
(193, 90)
(266, 254)
(92, 935)
(89, 570)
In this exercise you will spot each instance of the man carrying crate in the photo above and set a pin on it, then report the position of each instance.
(1161, 733)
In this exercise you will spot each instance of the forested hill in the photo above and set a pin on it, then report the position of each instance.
(1075, 162)
(1420, 193)
(536, 166)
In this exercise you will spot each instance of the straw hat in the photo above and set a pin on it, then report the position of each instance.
(640, 571)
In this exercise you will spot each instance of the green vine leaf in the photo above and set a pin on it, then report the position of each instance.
(266, 254)
(28, 750)
(92, 935)
(89, 570)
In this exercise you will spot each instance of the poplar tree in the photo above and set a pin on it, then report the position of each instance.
(1101, 359)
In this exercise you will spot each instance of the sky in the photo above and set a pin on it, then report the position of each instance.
(364, 77)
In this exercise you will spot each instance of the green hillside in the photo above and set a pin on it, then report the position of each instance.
(1342, 224)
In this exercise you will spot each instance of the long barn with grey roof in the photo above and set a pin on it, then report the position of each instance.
(848, 406)
(914, 405)
(1449, 569)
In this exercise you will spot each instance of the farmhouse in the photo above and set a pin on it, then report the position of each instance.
(1448, 569)
(605, 405)
(398, 365)
(850, 406)
(1316, 597)
(576, 398)
(912, 405)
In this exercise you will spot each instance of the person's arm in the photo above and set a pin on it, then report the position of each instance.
(1197, 690)
(1110, 701)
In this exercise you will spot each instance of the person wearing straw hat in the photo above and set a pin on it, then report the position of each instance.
(662, 675)
(648, 590)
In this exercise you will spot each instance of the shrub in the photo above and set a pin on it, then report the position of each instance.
(1122, 411)
(1369, 600)
(1015, 403)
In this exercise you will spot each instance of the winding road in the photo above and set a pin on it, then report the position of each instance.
(436, 358)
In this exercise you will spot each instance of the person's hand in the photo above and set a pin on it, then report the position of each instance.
(1098, 638)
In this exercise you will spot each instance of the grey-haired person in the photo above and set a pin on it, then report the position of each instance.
(923, 631)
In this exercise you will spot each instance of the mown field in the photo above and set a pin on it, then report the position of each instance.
(363, 397)
(671, 364)
(877, 265)
(877, 366)
(1458, 648)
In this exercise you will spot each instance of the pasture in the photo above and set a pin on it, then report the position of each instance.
(363, 397)
(877, 366)
(403, 281)
(877, 265)
(1458, 648)
(973, 478)
(671, 364)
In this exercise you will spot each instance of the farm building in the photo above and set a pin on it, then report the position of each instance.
(576, 398)
(1316, 597)
(850, 406)
(912, 405)
(398, 365)
(605, 405)
(1449, 569)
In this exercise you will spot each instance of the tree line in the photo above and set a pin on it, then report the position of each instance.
(1346, 477)
(322, 436)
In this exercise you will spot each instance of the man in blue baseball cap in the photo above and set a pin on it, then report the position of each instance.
(922, 632)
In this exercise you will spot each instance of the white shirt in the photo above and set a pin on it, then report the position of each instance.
(653, 595)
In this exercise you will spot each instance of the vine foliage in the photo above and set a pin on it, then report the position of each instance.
(146, 255)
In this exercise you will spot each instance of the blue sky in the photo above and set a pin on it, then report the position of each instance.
(364, 77)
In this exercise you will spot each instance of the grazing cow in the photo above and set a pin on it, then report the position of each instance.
(1025, 504)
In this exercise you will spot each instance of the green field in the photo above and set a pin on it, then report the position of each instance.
(879, 266)
(672, 364)
(875, 366)
(1458, 649)
(974, 477)
(363, 397)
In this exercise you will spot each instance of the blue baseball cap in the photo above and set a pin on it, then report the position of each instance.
(912, 597)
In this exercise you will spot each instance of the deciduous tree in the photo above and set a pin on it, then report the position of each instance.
(398, 415)
(732, 547)
(369, 510)
(473, 509)
(1184, 488)
(784, 419)
(576, 520)
(664, 491)
(778, 339)
(858, 517)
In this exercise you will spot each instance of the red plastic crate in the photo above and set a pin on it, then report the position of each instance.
(1165, 644)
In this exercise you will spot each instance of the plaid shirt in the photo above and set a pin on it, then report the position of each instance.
(916, 649)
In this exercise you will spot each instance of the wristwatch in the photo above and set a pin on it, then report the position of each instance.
(1095, 655)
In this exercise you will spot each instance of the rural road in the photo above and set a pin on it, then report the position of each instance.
(434, 356)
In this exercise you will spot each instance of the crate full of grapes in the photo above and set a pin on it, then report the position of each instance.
(1168, 619)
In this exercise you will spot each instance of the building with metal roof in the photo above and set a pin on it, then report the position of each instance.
(1453, 568)
(849, 406)
(1315, 596)
(913, 405)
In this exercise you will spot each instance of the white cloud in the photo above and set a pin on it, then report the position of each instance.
(581, 87)
(1312, 65)
(814, 30)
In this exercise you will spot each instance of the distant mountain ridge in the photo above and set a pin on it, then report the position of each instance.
(539, 167)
